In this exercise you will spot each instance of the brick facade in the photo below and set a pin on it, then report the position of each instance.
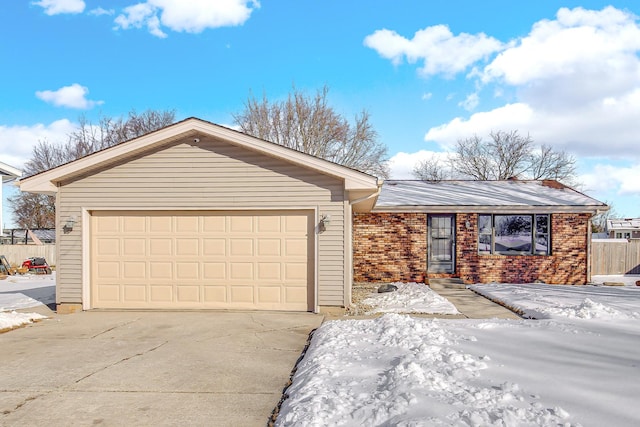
(393, 247)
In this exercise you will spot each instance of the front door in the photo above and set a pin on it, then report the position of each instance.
(441, 244)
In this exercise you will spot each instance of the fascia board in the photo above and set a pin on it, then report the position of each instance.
(491, 209)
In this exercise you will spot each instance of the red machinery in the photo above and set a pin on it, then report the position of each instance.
(37, 265)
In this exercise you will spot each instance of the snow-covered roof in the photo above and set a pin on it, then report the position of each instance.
(477, 196)
(623, 224)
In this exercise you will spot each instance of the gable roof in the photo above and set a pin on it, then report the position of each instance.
(359, 184)
(483, 196)
(8, 173)
(623, 224)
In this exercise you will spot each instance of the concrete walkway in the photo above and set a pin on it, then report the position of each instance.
(150, 368)
(470, 304)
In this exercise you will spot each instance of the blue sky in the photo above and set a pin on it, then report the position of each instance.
(429, 73)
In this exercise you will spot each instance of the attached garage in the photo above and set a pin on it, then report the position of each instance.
(199, 216)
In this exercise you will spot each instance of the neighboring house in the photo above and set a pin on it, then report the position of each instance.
(199, 216)
(7, 174)
(625, 228)
(479, 231)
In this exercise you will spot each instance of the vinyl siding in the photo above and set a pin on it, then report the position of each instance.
(208, 176)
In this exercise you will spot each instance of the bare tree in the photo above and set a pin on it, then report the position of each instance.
(88, 138)
(38, 211)
(549, 164)
(33, 210)
(308, 124)
(599, 221)
(510, 155)
(504, 156)
(430, 170)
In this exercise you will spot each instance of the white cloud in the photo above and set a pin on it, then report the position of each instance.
(471, 102)
(56, 7)
(17, 141)
(401, 164)
(73, 96)
(193, 16)
(576, 81)
(440, 51)
(626, 179)
(100, 12)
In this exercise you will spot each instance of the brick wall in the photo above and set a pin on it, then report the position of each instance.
(389, 247)
(393, 247)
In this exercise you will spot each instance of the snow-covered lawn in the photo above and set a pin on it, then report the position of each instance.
(578, 366)
(410, 298)
(24, 291)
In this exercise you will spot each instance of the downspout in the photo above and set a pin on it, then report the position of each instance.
(349, 243)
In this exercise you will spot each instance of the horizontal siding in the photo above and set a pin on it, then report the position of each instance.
(210, 176)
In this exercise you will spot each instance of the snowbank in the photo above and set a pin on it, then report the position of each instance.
(541, 301)
(10, 320)
(410, 298)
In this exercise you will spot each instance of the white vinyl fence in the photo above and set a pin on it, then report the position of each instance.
(15, 254)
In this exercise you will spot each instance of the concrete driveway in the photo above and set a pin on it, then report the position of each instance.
(150, 368)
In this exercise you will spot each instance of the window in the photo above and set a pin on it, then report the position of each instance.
(623, 235)
(513, 234)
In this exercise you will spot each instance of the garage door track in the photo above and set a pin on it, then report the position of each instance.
(150, 368)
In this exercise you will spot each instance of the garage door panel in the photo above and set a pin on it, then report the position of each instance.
(106, 247)
(241, 271)
(215, 294)
(134, 246)
(226, 260)
(241, 224)
(269, 247)
(135, 293)
(188, 293)
(161, 270)
(269, 224)
(242, 294)
(106, 270)
(135, 224)
(214, 246)
(160, 224)
(160, 246)
(107, 224)
(240, 247)
(214, 271)
(108, 292)
(161, 293)
(187, 224)
(269, 295)
(269, 271)
(295, 247)
(187, 247)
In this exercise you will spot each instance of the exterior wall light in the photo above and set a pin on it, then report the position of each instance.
(324, 222)
(68, 226)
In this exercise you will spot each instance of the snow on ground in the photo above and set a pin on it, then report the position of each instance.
(627, 279)
(566, 369)
(25, 291)
(410, 298)
(12, 319)
(541, 301)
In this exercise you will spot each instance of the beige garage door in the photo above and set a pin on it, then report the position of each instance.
(222, 260)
